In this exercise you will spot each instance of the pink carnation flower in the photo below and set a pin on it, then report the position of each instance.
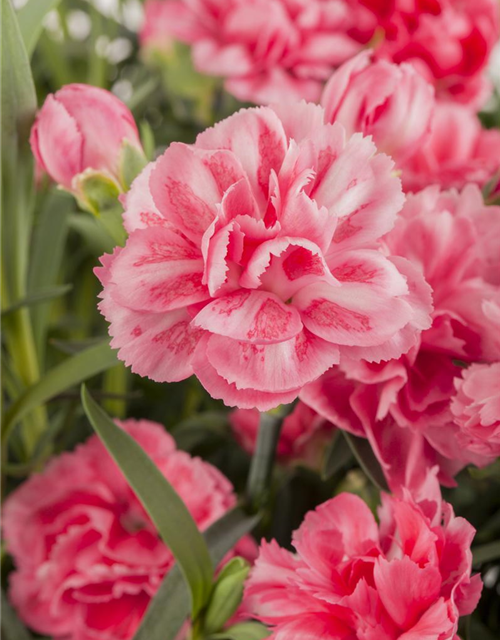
(403, 405)
(88, 559)
(407, 579)
(82, 127)
(476, 408)
(393, 103)
(457, 151)
(266, 50)
(253, 259)
(448, 41)
(303, 437)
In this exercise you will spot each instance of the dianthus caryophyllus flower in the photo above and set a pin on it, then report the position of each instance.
(408, 578)
(476, 408)
(266, 50)
(253, 259)
(393, 103)
(457, 151)
(403, 405)
(303, 436)
(88, 559)
(448, 42)
(82, 128)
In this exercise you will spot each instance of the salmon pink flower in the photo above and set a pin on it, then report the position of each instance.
(253, 259)
(266, 50)
(84, 128)
(303, 436)
(476, 408)
(404, 406)
(88, 558)
(408, 578)
(393, 103)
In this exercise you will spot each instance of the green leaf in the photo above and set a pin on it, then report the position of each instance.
(485, 553)
(72, 371)
(169, 608)
(18, 90)
(38, 297)
(12, 627)
(30, 18)
(243, 631)
(166, 509)
(337, 455)
(363, 451)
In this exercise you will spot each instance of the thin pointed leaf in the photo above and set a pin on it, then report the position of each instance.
(337, 455)
(169, 608)
(361, 448)
(486, 553)
(30, 18)
(71, 372)
(243, 631)
(37, 297)
(166, 509)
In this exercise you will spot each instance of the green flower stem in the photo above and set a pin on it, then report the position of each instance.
(116, 382)
(263, 459)
(111, 221)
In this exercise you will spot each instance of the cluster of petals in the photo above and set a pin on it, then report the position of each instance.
(404, 405)
(476, 408)
(266, 50)
(254, 260)
(88, 558)
(303, 437)
(275, 50)
(82, 127)
(408, 578)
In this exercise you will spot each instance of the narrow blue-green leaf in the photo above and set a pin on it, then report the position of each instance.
(12, 627)
(169, 608)
(337, 455)
(166, 509)
(30, 18)
(71, 372)
(243, 631)
(367, 460)
(38, 297)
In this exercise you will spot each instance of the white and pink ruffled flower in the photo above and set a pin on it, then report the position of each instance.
(403, 406)
(408, 578)
(253, 259)
(88, 559)
(266, 50)
(476, 408)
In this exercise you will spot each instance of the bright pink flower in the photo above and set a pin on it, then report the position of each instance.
(476, 408)
(447, 41)
(82, 127)
(88, 558)
(393, 103)
(303, 436)
(403, 406)
(253, 259)
(407, 579)
(457, 151)
(266, 50)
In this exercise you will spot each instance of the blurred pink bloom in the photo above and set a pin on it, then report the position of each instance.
(408, 578)
(266, 50)
(448, 41)
(82, 127)
(403, 406)
(458, 151)
(253, 259)
(303, 438)
(88, 559)
(393, 103)
(476, 408)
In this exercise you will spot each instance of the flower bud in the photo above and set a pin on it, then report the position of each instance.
(226, 595)
(83, 128)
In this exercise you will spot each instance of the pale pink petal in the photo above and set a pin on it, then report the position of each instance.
(276, 368)
(250, 316)
(140, 209)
